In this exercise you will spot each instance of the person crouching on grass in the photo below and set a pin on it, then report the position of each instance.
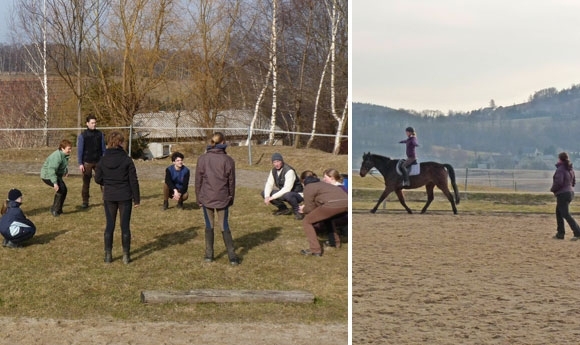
(321, 201)
(14, 226)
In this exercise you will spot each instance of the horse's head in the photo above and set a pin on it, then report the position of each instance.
(367, 164)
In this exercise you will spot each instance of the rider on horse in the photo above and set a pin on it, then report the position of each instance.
(411, 143)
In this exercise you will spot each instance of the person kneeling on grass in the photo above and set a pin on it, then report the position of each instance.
(14, 225)
(321, 201)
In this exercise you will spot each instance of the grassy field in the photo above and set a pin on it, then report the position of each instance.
(61, 273)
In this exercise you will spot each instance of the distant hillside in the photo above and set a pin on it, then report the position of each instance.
(549, 122)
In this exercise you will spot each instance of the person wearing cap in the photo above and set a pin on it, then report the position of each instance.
(176, 181)
(411, 143)
(283, 185)
(14, 226)
(53, 170)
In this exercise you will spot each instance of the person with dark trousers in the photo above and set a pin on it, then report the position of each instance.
(411, 143)
(90, 149)
(322, 201)
(176, 181)
(215, 189)
(117, 174)
(14, 226)
(283, 185)
(53, 170)
(563, 184)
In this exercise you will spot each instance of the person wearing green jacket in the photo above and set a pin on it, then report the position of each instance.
(53, 170)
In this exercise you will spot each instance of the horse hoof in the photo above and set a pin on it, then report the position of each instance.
(373, 211)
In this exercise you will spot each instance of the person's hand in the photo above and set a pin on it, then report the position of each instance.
(82, 168)
(136, 205)
(176, 196)
(267, 200)
(301, 209)
(55, 187)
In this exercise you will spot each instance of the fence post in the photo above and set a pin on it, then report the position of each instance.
(130, 137)
(249, 147)
(465, 188)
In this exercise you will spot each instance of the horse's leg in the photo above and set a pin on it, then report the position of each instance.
(383, 196)
(401, 197)
(445, 189)
(429, 188)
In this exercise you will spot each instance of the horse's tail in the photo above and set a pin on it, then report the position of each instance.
(451, 172)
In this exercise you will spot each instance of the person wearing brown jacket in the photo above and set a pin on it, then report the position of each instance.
(321, 201)
(215, 187)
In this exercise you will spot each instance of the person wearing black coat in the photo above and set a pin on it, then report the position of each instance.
(117, 174)
(14, 226)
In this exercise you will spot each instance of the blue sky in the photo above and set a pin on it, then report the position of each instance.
(459, 55)
(5, 10)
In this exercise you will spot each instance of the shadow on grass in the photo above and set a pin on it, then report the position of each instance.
(45, 238)
(251, 241)
(165, 241)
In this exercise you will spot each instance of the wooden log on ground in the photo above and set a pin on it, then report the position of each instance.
(225, 296)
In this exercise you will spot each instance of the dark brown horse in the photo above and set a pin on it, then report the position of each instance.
(431, 174)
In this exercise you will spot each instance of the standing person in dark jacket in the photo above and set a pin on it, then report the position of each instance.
(90, 149)
(215, 188)
(53, 170)
(321, 201)
(411, 143)
(176, 181)
(563, 188)
(283, 185)
(117, 174)
(14, 226)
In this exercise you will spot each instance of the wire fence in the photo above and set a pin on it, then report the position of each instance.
(40, 137)
(472, 179)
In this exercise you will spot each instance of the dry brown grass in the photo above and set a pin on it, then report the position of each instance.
(61, 273)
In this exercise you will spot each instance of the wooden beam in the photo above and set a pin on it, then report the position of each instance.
(224, 296)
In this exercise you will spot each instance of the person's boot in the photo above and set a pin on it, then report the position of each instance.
(108, 248)
(56, 205)
(180, 204)
(108, 256)
(405, 173)
(208, 245)
(165, 204)
(229, 242)
(126, 240)
(61, 202)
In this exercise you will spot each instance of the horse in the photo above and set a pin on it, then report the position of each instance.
(431, 174)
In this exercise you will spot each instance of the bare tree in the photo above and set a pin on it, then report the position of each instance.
(212, 63)
(137, 40)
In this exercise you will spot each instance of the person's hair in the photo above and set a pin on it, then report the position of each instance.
(91, 117)
(64, 143)
(305, 174)
(331, 172)
(563, 156)
(4, 207)
(115, 139)
(176, 155)
(217, 138)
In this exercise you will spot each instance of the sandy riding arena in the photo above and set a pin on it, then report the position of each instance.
(466, 279)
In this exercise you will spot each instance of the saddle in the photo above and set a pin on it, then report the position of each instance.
(413, 169)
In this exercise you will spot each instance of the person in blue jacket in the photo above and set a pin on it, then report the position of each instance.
(14, 226)
(176, 181)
